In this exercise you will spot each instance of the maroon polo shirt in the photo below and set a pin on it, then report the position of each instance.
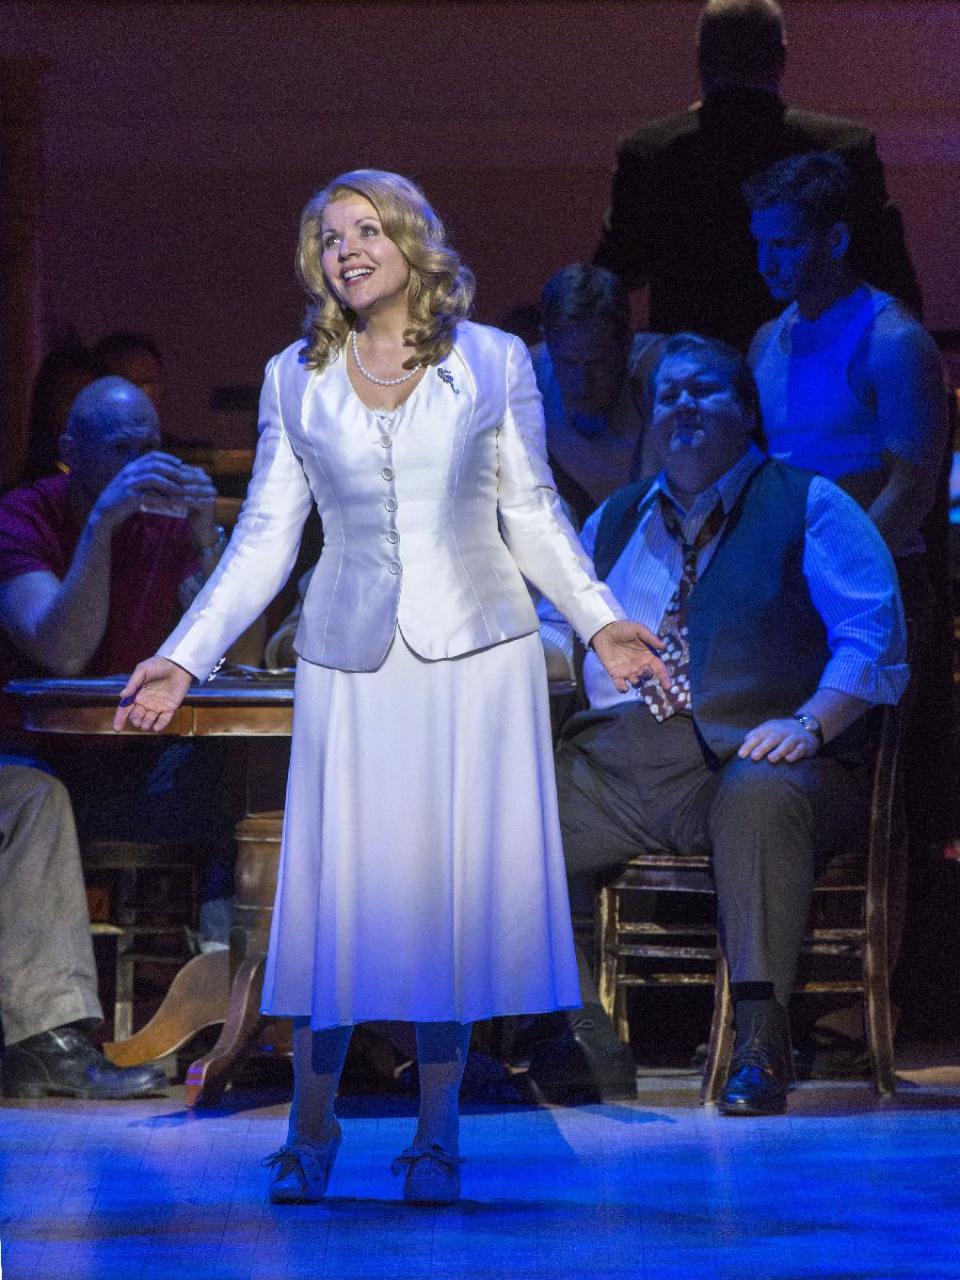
(150, 557)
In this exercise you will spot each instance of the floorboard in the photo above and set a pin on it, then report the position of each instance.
(844, 1187)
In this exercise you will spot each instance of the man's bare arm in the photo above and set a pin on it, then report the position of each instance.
(903, 376)
(59, 623)
(908, 488)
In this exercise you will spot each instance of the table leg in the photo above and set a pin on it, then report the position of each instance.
(208, 1076)
(258, 855)
(197, 998)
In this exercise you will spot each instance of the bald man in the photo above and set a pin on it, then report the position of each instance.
(95, 567)
(97, 563)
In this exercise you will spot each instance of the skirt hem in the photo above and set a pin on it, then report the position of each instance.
(409, 1016)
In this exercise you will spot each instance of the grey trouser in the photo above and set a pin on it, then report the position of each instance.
(626, 781)
(47, 972)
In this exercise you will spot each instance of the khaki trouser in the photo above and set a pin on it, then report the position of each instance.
(47, 972)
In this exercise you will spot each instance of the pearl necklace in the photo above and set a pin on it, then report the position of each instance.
(372, 377)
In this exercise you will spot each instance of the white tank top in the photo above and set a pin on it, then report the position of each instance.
(812, 416)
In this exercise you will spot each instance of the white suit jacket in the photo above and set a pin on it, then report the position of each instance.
(427, 527)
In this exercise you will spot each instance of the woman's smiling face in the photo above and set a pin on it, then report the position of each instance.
(361, 264)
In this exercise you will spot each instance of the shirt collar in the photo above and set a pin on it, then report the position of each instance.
(728, 488)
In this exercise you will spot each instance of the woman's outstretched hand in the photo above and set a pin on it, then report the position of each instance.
(152, 695)
(626, 650)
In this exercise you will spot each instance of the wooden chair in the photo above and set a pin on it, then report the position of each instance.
(153, 893)
(848, 931)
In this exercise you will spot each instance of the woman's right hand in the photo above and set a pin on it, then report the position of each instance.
(152, 695)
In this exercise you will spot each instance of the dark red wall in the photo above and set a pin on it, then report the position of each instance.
(182, 140)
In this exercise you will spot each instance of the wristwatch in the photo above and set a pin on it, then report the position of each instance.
(810, 723)
(219, 539)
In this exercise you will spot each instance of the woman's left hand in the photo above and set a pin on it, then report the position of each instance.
(626, 650)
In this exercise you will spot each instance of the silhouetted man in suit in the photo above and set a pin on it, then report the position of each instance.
(677, 219)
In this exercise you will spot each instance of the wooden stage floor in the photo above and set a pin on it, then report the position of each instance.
(845, 1187)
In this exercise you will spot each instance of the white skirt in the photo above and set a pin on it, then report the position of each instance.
(421, 874)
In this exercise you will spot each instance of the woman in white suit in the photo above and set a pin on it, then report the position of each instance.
(422, 874)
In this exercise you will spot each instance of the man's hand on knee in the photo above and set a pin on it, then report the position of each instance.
(779, 740)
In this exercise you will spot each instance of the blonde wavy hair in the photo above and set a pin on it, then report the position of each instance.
(441, 288)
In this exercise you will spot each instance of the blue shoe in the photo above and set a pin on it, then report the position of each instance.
(302, 1170)
(433, 1176)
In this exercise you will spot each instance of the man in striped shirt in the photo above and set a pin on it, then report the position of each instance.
(778, 601)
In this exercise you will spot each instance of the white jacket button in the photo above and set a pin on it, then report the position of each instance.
(394, 567)
(393, 536)
(391, 504)
(387, 473)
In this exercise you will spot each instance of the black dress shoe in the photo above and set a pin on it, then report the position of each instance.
(64, 1063)
(760, 1067)
(586, 1063)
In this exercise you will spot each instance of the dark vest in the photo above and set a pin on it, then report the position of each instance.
(757, 643)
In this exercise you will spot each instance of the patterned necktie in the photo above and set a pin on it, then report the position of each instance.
(673, 629)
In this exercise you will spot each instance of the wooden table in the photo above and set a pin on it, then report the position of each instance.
(217, 986)
(227, 706)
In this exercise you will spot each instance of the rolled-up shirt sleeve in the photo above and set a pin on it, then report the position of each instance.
(853, 586)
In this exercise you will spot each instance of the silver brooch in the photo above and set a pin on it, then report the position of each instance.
(446, 376)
